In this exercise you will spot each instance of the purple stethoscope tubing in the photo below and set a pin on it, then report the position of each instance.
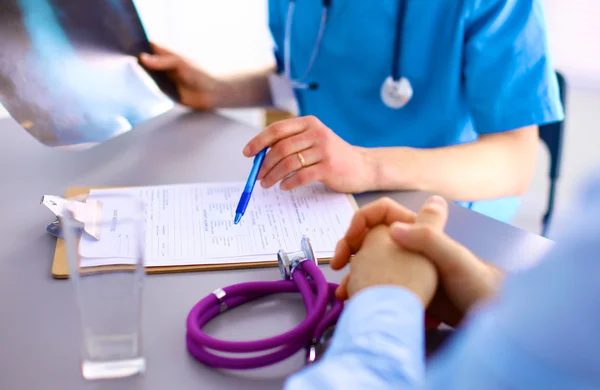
(316, 293)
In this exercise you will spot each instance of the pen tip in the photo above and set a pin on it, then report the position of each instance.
(237, 219)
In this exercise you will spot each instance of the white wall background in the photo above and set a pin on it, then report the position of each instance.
(574, 31)
(223, 37)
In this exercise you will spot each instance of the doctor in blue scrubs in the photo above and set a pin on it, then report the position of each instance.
(433, 95)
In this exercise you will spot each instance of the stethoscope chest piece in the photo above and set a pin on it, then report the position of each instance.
(288, 261)
(396, 94)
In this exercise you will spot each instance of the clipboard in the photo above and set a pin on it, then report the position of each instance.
(60, 263)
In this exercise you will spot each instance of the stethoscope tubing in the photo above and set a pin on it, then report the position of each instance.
(299, 83)
(316, 294)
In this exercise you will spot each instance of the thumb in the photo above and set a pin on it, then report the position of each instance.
(159, 62)
(161, 50)
(434, 213)
(341, 292)
(446, 254)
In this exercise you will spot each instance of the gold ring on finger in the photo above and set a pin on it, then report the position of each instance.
(301, 158)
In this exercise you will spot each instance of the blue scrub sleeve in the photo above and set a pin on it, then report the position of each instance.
(509, 78)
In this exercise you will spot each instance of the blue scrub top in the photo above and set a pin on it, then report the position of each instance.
(476, 67)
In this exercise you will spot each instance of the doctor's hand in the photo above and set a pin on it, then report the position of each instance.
(378, 260)
(196, 88)
(465, 279)
(310, 151)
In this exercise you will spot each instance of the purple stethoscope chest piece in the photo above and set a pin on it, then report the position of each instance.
(301, 274)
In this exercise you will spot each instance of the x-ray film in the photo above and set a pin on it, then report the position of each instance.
(69, 70)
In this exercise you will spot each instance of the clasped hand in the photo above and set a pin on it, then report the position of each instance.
(388, 244)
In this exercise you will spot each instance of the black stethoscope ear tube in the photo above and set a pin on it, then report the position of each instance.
(397, 40)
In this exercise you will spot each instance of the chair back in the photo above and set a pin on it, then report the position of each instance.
(552, 135)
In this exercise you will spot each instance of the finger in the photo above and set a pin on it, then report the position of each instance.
(342, 254)
(302, 177)
(445, 253)
(341, 292)
(287, 147)
(383, 211)
(158, 49)
(159, 62)
(434, 212)
(289, 165)
(275, 133)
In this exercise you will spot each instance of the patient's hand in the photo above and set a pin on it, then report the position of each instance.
(465, 279)
(378, 259)
(381, 262)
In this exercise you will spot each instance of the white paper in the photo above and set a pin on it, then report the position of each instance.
(117, 231)
(193, 224)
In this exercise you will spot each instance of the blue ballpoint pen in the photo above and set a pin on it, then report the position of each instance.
(245, 198)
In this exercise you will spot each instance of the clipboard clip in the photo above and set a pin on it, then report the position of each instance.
(87, 214)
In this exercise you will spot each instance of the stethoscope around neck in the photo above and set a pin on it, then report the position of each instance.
(396, 91)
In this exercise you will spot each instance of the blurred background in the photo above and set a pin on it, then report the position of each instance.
(231, 36)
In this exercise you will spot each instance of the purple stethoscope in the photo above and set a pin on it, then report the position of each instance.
(301, 273)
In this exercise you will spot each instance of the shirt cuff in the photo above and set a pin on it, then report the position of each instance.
(384, 321)
(377, 344)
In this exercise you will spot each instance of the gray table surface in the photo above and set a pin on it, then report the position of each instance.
(39, 344)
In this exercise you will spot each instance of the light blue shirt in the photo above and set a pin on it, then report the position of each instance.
(476, 67)
(542, 331)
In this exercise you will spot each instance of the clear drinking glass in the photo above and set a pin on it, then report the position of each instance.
(104, 237)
